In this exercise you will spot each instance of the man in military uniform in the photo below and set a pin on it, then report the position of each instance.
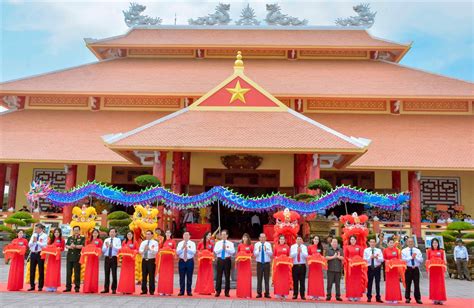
(74, 245)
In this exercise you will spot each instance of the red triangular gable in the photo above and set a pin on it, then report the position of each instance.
(223, 97)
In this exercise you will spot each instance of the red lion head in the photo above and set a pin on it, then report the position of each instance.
(287, 224)
(355, 225)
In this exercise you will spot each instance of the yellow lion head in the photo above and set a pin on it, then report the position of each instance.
(84, 218)
(144, 219)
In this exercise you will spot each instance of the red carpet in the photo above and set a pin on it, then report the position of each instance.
(452, 302)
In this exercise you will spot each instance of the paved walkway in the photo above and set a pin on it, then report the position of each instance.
(455, 289)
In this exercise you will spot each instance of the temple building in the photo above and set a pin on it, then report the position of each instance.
(299, 103)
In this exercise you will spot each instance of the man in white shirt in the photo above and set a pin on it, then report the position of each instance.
(148, 249)
(412, 256)
(38, 241)
(461, 257)
(332, 216)
(299, 253)
(186, 250)
(110, 249)
(223, 249)
(263, 254)
(374, 258)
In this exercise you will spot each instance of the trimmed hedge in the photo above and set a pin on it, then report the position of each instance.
(468, 235)
(321, 184)
(120, 223)
(460, 225)
(147, 180)
(117, 215)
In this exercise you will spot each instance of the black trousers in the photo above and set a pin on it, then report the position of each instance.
(36, 261)
(148, 275)
(263, 272)
(186, 270)
(412, 275)
(333, 278)
(110, 264)
(373, 273)
(223, 266)
(70, 266)
(299, 275)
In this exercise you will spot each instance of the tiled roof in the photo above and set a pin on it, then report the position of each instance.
(64, 136)
(409, 141)
(256, 37)
(236, 130)
(192, 77)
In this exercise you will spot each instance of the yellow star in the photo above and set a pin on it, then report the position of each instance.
(237, 93)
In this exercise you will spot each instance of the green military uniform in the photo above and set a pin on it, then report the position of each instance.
(72, 262)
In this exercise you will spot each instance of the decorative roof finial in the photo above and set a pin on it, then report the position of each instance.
(134, 17)
(238, 64)
(365, 17)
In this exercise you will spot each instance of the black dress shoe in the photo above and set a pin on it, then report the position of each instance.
(419, 302)
(180, 294)
(151, 293)
(143, 293)
(217, 295)
(259, 296)
(40, 289)
(303, 298)
(77, 290)
(190, 294)
(114, 292)
(227, 295)
(31, 289)
(295, 296)
(104, 291)
(66, 290)
(339, 299)
(267, 296)
(407, 301)
(369, 300)
(328, 298)
(379, 300)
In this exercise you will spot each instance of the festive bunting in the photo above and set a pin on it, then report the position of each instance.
(226, 196)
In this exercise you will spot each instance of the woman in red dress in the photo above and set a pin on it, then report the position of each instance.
(52, 279)
(282, 271)
(244, 267)
(355, 285)
(393, 293)
(127, 273)
(91, 276)
(166, 265)
(17, 264)
(436, 270)
(205, 276)
(315, 275)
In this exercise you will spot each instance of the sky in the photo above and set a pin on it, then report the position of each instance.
(41, 36)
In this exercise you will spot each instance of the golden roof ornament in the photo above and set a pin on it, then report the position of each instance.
(238, 64)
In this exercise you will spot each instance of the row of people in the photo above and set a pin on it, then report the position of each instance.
(288, 264)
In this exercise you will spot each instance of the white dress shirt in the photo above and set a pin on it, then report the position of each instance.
(116, 245)
(407, 253)
(267, 252)
(378, 260)
(191, 251)
(303, 253)
(42, 241)
(460, 252)
(229, 249)
(152, 249)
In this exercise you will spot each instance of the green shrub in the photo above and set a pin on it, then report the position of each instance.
(117, 215)
(120, 223)
(320, 184)
(459, 226)
(15, 221)
(147, 180)
(468, 235)
(303, 197)
(447, 236)
(470, 245)
(21, 215)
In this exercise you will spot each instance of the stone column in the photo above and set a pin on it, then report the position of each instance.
(415, 202)
(12, 185)
(71, 176)
(3, 174)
